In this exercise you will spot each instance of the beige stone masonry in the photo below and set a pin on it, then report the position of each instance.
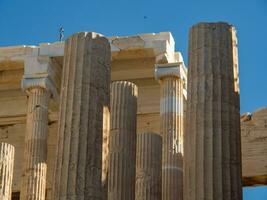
(122, 141)
(212, 161)
(84, 98)
(7, 152)
(148, 166)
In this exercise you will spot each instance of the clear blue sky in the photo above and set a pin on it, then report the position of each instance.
(31, 22)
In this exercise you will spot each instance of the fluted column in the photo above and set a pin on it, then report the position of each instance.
(7, 152)
(85, 92)
(148, 167)
(212, 142)
(122, 141)
(36, 145)
(39, 88)
(172, 78)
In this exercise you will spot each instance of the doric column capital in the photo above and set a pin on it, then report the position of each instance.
(39, 82)
(40, 71)
(171, 69)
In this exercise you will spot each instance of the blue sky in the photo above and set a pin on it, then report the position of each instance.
(31, 22)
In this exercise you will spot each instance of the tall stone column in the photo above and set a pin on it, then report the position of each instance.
(172, 78)
(122, 141)
(212, 142)
(39, 88)
(85, 92)
(148, 166)
(7, 152)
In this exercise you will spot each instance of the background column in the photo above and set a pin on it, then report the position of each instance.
(212, 142)
(148, 166)
(171, 78)
(39, 89)
(7, 152)
(122, 141)
(85, 92)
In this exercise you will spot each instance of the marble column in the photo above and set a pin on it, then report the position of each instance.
(7, 152)
(212, 139)
(148, 166)
(39, 88)
(122, 141)
(171, 78)
(85, 92)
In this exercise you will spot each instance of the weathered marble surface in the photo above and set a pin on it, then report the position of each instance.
(212, 161)
(7, 152)
(35, 153)
(84, 96)
(122, 141)
(254, 147)
(171, 78)
(148, 167)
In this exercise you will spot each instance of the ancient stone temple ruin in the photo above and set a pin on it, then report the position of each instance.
(124, 118)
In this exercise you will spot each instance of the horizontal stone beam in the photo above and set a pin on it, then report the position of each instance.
(254, 147)
(159, 45)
